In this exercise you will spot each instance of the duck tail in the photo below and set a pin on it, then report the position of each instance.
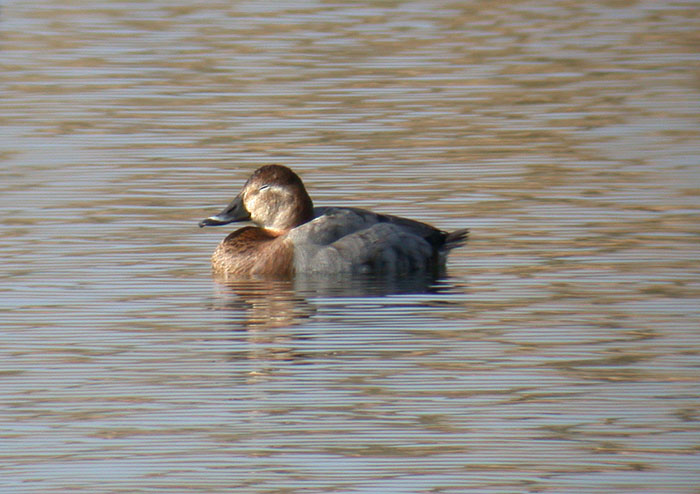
(456, 238)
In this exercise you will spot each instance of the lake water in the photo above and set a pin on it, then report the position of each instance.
(561, 353)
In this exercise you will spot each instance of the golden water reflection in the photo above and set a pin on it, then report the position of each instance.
(272, 303)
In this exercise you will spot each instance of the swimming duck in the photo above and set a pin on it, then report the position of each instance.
(292, 236)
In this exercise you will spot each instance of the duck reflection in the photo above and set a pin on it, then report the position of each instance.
(274, 314)
(273, 303)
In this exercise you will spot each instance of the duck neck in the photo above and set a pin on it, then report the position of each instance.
(292, 215)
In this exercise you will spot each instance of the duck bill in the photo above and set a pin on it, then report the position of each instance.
(235, 211)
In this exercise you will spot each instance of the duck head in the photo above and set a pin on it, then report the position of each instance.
(274, 198)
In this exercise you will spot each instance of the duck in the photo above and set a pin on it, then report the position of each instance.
(290, 236)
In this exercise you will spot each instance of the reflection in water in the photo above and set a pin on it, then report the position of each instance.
(270, 311)
(273, 303)
(262, 303)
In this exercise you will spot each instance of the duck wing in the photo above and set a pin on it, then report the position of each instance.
(355, 240)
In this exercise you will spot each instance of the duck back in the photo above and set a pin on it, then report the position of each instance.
(352, 240)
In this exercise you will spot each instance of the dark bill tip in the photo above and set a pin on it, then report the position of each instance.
(235, 211)
(209, 222)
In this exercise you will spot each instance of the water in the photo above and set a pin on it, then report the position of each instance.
(559, 354)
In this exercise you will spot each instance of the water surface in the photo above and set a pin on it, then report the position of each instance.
(560, 352)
